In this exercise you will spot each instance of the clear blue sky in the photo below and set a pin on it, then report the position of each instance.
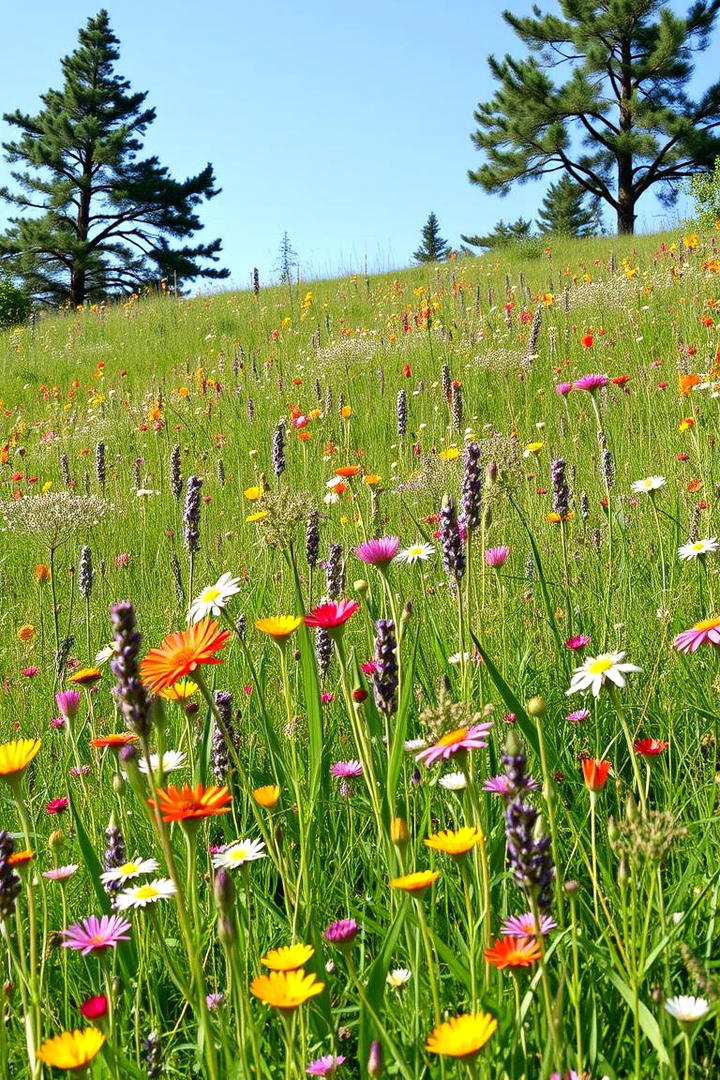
(343, 123)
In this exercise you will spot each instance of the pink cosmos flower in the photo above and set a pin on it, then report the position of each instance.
(325, 1065)
(331, 615)
(95, 934)
(591, 382)
(378, 552)
(577, 642)
(496, 556)
(345, 769)
(454, 742)
(563, 388)
(689, 641)
(524, 925)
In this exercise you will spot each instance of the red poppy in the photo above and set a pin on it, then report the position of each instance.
(595, 773)
(587, 341)
(650, 747)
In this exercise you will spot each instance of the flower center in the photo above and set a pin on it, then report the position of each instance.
(147, 892)
(210, 595)
(453, 737)
(707, 624)
(128, 868)
(238, 854)
(598, 667)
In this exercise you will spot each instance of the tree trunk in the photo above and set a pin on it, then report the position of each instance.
(77, 286)
(82, 227)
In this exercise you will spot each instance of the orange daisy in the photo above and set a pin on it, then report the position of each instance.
(115, 738)
(20, 858)
(181, 653)
(267, 796)
(180, 804)
(513, 952)
(86, 676)
(415, 883)
(346, 471)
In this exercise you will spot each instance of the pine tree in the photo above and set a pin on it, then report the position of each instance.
(503, 234)
(433, 247)
(108, 216)
(622, 122)
(565, 212)
(287, 260)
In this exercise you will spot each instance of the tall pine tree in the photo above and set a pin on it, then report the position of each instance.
(565, 212)
(433, 247)
(108, 217)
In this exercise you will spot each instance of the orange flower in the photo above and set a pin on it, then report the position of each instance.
(42, 572)
(181, 653)
(686, 422)
(267, 796)
(116, 738)
(180, 804)
(595, 773)
(346, 412)
(86, 676)
(19, 858)
(415, 883)
(347, 470)
(686, 383)
(371, 478)
(513, 952)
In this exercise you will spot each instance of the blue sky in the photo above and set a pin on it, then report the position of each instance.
(344, 124)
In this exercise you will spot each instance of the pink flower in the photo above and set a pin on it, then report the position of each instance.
(94, 1007)
(56, 806)
(325, 1065)
(29, 672)
(61, 873)
(496, 556)
(326, 697)
(591, 382)
(563, 388)
(58, 722)
(301, 421)
(331, 615)
(378, 552)
(93, 934)
(346, 769)
(578, 717)
(68, 702)
(524, 925)
(577, 642)
(122, 560)
(500, 785)
(689, 641)
(455, 742)
(369, 667)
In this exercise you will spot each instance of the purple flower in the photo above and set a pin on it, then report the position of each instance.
(563, 388)
(326, 697)
(325, 1065)
(578, 717)
(464, 738)
(496, 556)
(214, 1001)
(591, 382)
(501, 785)
(524, 925)
(68, 702)
(579, 641)
(345, 769)
(378, 552)
(342, 932)
(95, 934)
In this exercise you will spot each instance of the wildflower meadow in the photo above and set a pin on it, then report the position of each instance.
(359, 676)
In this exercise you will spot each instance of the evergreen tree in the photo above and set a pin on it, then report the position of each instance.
(503, 234)
(108, 217)
(622, 122)
(287, 260)
(564, 211)
(433, 247)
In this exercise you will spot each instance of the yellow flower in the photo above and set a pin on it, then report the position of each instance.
(371, 478)
(691, 242)
(288, 957)
(415, 883)
(15, 756)
(532, 448)
(180, 691)
(451, 454)
(46, 486)
(267, 796)
(259, 516)
(455, 843)
(26, 632)
(279, 627)
(253, 493)
(86, 676)
(462, 1036)
(346, 412)
(548, 299)
(71, 1050)
(686, 424)
(286, 989)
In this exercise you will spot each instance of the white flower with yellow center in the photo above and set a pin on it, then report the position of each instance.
(597, 670)
(417, 553)
(698, 547)
(213, 599)
(142, 895)
(171, 760)
(686, 1009)
(649, 483)
(129, 870)
(398, 977)
(239, 853)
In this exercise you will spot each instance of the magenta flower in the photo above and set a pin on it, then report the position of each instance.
(378, 552)
(369, 667)
(342, 932)
(563, 388)
(591, 382)
(455, 742)
(29, 672)
(345, 769)
(579, 716)
(56, 806)
(214, 1001)
(496, 556)
(500, 785)
(58, 722)
(326, 697)
(689, 641)
(524, 925)
(325, 1065)
(577, 642)
(95, 934)
(332, 615)
(68, 702)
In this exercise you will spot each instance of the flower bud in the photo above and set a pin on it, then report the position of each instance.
(56, 840)
(224, 891)
(118, 784)
(375, 1059)
(491, 472)
(536, 707)
(360, 586)
(399, 833)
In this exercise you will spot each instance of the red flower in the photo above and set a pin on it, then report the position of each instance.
(56, 806)
(94, 1007)
(331, 615)
(595, 773)
(587, 341)
(359, 694)
(650, 747)
(407, 371)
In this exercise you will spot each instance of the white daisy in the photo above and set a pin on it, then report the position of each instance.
(686, 1009)
(239, 853)
(596, 670)
(141, 895)
(171, 760)
(398, 978)
(411, 745)
(106, 653)
(417, 553)
(698, 547)
(650, 483)
(453, 781)
(213, 599)
(129, 870)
